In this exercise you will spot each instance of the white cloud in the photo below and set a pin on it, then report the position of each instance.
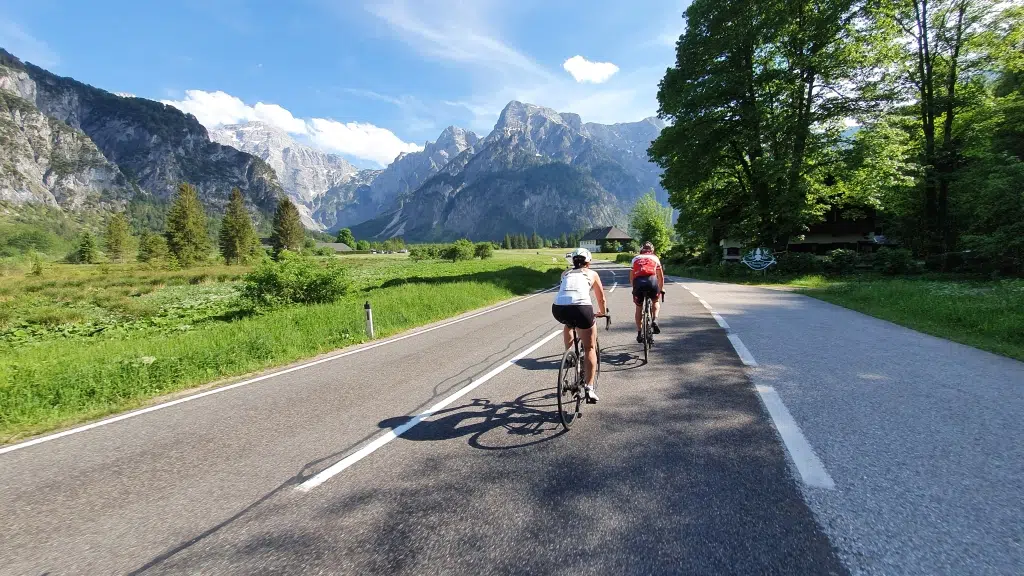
(455, 31)
(25, 46)
(359, 139)
(584, 70)
(356, 139)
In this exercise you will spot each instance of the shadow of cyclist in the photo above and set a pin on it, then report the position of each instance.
(529, 419)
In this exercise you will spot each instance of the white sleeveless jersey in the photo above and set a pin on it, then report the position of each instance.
(574, 289)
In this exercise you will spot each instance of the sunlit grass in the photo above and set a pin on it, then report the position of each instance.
(97, 341)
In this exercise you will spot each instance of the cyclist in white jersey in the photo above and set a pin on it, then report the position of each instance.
(572, 308)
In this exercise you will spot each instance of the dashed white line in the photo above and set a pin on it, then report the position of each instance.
(812, 471)
(156, 407)
(615, 283)
(380, 441)
(741, 349)
(807, 463)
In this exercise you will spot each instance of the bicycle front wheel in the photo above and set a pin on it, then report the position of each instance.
(569, 389)
(647, 328)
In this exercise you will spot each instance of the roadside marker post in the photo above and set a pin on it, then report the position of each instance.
(369, 319)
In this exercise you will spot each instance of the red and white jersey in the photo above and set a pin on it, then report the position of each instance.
(645, 265)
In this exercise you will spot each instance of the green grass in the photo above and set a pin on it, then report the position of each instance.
(167, 331)
(985, 314)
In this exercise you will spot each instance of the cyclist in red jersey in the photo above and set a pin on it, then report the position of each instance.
(647, 278)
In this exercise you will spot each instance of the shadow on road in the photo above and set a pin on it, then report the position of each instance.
(529, 419)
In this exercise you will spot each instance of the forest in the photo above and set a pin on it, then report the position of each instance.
(782, 111)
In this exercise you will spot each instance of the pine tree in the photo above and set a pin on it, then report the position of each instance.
(152, 247)
(186, 227)
(508, 242)
(85, 252)
(237, 239)
(117, 237)
(288, 231)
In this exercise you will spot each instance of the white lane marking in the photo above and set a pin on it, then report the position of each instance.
(128, 415)
(721, 321)
(745, 356)
(380, 441)
(807, 463)
(615, 283)
(812, 471)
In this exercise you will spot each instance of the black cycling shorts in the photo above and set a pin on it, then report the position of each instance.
(574, 316)
(644, 286)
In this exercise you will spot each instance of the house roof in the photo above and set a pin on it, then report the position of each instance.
(606, 233)
(337, 246)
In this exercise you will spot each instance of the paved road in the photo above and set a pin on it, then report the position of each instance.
(678, 470)
(922, 436)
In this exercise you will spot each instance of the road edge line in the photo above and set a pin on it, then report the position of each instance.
(382, 440)
(303, 366)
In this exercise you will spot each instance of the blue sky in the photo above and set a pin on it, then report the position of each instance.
(368, 79)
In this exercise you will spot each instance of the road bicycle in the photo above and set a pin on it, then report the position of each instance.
(646, 323)
(571, 377)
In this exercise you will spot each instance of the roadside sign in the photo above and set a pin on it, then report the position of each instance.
(759, 259)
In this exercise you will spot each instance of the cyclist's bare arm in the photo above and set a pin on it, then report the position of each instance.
(599, 292)
(630, 275)
(661, 279)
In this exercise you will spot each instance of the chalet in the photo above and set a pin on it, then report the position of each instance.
(598, 237)
(837, 230)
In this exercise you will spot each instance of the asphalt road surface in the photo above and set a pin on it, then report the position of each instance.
(687, 465)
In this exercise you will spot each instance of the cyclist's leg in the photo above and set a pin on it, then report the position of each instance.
(567, 336)
(588, 337)
(656, 300)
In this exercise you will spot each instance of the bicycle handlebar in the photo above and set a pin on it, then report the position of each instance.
(607, 319)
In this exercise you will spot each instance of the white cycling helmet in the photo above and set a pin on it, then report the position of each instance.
(580, 252)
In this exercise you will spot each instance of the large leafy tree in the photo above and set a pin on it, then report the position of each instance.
(649, 222)
(237, 239)
(345, 237)
(288, 233)
(758, 94)
(186, 233)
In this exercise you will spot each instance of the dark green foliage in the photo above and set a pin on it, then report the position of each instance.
(624, 258)
(295, 279)
(345, 237)
(237, 238)
(461, 249)
(288, 233)
(186, 234)
(152, 248)
(894, 261)
(841, 261)
(117, 237)
(483, 250)
(363, 245)
(796, 263)
(86, 251)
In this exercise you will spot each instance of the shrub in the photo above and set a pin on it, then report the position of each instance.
(624, 258)
(484, 250)
(294, 279)
(152, 247)
(798, 263)
(842, 262)
(459, 250)
(894, 261)
(418, 253)
(37, 264)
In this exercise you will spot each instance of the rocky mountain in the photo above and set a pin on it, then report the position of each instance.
(47, 162)
(153, 147)
(373, 191)
(306, 174)
(538, 171)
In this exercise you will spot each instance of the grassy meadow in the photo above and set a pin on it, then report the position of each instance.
(986, 314)
(84, 341)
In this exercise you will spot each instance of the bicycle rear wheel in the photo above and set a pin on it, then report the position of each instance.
(569, 389)
(647, 327)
